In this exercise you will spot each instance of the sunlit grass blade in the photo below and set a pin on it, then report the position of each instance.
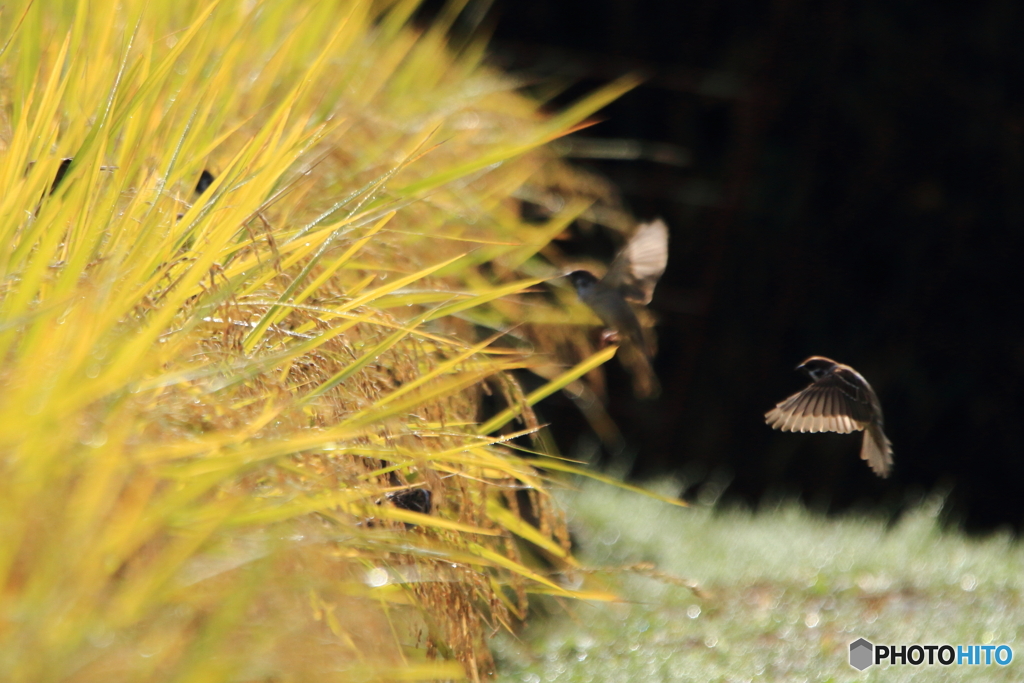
(561, 466)
(558, 383)
(483, 297)
(521, 528)
(517, 568)
(277, 312)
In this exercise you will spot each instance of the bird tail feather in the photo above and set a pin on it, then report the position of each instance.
(645, 382)
(876, 449)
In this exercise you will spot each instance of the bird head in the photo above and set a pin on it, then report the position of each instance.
(582, 280)
(817, 367)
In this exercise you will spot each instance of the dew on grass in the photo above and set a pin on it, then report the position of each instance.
(767, 619)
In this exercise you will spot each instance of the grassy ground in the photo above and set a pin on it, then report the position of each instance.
(784, 592)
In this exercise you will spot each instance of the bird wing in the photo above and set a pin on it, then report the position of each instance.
(837, 403)
(637, 267)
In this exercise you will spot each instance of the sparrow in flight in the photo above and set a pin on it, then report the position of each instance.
(631, 278)
(838, 400)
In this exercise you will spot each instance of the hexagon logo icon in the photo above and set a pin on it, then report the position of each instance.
(861, 654)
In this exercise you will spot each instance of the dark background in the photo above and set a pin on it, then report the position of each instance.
(842, 179)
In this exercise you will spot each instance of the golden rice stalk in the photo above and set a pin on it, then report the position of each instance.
(207, 398)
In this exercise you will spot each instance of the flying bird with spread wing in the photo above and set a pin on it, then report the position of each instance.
(631, 278)
(838, 400)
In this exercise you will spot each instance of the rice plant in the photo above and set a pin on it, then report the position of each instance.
(260, 263)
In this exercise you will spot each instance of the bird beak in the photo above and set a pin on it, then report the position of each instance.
(800, 367)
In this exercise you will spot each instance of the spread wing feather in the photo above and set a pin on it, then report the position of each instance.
(831, 405)
(637, 267)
